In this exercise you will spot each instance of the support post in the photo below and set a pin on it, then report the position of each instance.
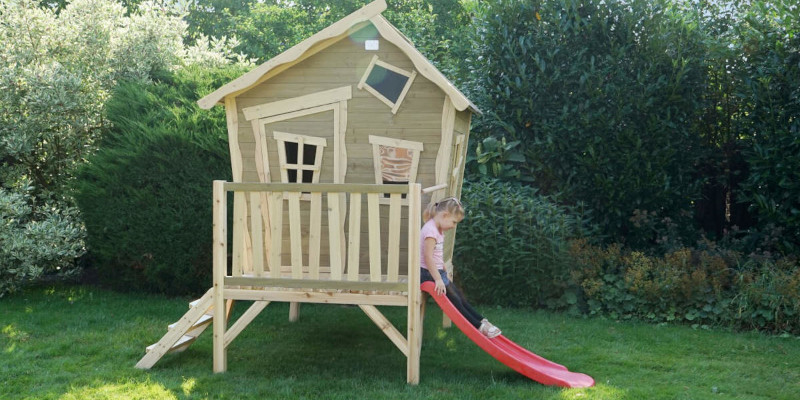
(220, 257)
(294, 311)
(414, 292)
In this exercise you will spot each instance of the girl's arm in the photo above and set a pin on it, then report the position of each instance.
(430, 243)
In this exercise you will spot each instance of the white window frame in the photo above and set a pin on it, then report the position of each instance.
(363, 85)
(334, 100)
(301, 140)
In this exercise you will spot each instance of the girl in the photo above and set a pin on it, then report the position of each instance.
(442, 217)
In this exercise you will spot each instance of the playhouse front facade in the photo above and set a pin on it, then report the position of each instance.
(355, 103)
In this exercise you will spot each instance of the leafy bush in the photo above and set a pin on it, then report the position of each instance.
(146, 194)
(601, 95)
(769, 298)
(770, 39)
(512, 246)
(699, 286)
(35, 240)
(494, 158)
(57, 70)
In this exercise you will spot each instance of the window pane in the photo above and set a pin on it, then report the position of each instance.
(388, 83)
(308, 176)
(291, 152)
(292, 175)
(309, 154)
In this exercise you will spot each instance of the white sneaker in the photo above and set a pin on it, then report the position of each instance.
(489, 330)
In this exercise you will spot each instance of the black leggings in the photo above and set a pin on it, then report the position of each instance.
(457, 298)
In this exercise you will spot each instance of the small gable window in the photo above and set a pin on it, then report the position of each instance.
(300, 157)
(396, 161)
(387, 82)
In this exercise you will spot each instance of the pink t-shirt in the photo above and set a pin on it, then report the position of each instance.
(429, 230)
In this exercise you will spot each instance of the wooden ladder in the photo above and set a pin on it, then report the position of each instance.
(181, 334)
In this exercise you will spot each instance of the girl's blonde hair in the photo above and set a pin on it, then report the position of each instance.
(450, 205)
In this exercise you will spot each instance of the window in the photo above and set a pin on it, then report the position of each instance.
(387, 82)
(300, 157)
(396, 161)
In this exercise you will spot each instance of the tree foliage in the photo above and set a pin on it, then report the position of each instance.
(58, 66)
(264, 29)
(770, 76)
(602, 96)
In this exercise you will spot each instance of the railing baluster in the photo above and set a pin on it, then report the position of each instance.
(334, 235)
(276, 232)
(257, 229)
(239, 212)
(314, 228)
(295, 235)
(393, 261)
(354, 238)
(373, 205)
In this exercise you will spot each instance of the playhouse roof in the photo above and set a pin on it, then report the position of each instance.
(369, 13)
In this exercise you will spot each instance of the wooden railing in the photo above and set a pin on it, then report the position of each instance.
(284, 241)
(278, 254)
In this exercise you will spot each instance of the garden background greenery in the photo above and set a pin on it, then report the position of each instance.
(636, 159)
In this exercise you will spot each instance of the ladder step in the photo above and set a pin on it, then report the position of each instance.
(203, 321)
(182, 344)
(184, 341)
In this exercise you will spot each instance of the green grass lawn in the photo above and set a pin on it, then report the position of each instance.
(67, 342)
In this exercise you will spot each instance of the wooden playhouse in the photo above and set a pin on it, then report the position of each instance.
(331, 144)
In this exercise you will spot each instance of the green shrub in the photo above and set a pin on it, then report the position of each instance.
(58, 69)
(35, 240)
(771, 76)
(601, 95)
(769, 298)
(511, 248)
(701, 287)
(146, 195)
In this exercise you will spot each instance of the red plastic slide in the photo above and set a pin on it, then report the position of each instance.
(511, 354)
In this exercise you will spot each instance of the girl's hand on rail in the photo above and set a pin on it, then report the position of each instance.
(440, 288)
